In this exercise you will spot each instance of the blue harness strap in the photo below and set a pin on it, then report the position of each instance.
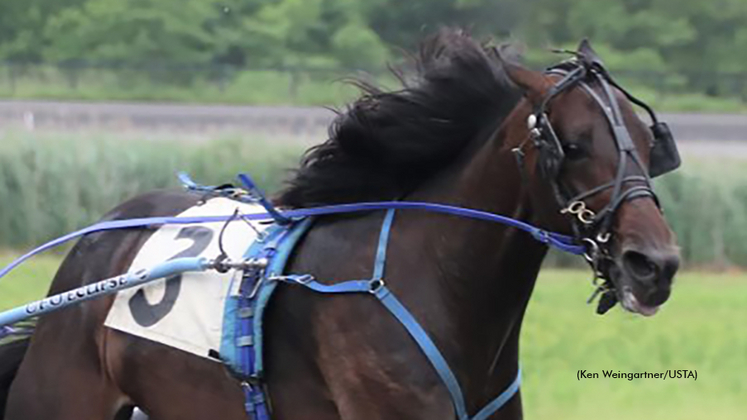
(427, 346)
(242, 342)
(500, 400)
(377, 287)
(562, 242)
(386, 229)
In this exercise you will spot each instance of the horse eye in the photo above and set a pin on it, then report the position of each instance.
(574, 151)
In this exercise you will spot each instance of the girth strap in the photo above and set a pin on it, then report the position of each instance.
(377, 287)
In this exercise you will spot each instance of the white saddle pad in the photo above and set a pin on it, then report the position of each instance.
(186, 312)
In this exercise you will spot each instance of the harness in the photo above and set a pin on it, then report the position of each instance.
(258, 286)
(263, 270)
(593, 228)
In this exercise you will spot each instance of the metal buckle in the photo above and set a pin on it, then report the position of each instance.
(578, 209)
(375, 285)
(256, 287)
(592, 252)
(305, 279)
(300, 279)
(541, 236)
(247, 386)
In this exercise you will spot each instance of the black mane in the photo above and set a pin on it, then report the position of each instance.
(386, 143)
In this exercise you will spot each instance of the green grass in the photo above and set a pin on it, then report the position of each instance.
(53, 184)
(254, 87)
(701, 327)
(270, 87)
(28, 282)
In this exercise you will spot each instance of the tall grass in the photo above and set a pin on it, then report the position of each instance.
(706, 204)
(52, 184)
(220, 85)
(228, 85)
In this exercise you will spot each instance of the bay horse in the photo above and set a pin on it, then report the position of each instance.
(474, 130)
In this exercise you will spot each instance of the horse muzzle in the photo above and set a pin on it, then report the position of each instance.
(643, 278)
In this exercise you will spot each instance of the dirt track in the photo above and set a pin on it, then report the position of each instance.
(701, 134)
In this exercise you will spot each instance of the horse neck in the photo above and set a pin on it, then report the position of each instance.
(482, 273)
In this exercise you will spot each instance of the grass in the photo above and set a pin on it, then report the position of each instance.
(28, 282)
(271, 87)
(254, 87)
(701, 328)
(53, 184)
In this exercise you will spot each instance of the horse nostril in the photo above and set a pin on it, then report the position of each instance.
(656, 267)
(640, 266)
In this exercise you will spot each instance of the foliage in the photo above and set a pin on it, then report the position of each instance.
(137, 32)
(50, 186)
(228, 85)
(695, 42)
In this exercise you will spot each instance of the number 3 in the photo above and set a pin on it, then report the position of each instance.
(147, 314)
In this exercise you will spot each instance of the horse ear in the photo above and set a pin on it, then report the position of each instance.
(588, 55)
(534, 84)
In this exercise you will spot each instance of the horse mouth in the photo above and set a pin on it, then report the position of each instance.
(632, 304)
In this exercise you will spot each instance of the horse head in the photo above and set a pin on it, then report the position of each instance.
(588, 160)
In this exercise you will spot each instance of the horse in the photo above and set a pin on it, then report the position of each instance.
(562, 149)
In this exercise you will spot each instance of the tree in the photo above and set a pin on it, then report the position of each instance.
(134, 32)
(404, 24)
(308, 33)
(21, 26)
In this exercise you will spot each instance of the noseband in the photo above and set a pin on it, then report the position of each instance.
(594, 228)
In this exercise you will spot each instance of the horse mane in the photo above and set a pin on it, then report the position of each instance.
(388, 142)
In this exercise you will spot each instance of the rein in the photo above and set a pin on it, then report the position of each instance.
(563, 242)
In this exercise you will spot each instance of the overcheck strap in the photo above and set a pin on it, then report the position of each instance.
(386, 228)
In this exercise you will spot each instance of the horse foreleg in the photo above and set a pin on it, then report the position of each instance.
(170, 384)
(60, 380)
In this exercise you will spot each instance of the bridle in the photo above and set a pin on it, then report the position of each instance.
(593, 228)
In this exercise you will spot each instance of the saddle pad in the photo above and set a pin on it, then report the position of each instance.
(186, 311)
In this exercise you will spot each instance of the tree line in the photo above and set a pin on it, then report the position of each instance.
(685, 38)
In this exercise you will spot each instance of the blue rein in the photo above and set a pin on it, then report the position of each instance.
(563, 242)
